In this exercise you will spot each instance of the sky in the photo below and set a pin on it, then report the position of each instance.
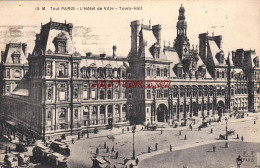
(238, 21)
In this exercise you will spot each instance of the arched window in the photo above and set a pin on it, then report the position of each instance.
(110, 111)
(49, 93)
(124, 108)
(86, 111)
(117, 109)
(102, 94)
(158, 72)
(62, 113)
(17, 74)
(165, 72)
(94, 110)
(109, 94)
(62, 70)
(223, 74)
(102, 109)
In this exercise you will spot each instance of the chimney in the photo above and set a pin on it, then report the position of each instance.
(114, 51)
(135, 29)
(218, 40)
(24, 48)
(157, 32)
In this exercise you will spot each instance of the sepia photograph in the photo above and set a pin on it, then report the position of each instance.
(130, 84)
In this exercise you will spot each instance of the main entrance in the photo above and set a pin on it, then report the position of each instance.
(162, 113)
(221, 108)
(194, 109)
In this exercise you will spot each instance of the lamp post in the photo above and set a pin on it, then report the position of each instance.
(226, 128)
(154, 106)
(133, 157)
(239, 161)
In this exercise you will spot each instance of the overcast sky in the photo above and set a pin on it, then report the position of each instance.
(237, 20)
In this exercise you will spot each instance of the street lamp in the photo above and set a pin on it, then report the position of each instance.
(226, 128)
(239, 161)
(133, 130)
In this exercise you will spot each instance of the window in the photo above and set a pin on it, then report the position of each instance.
(124, 108)
(76, 111)
(94, 110)
(165, 72)
(17, 74)
(48, 69)
(62, 95)
(148, 94)
(62, 70)
(148, 71)
(85, 94)
(93, 94)
(49, 114)
(217, 74)
(158, 93)
(109, 94)
(86, 111)
(158, 72)
(75, 70)
(223, 74)
(165, 93)
(75, 93)
(8, 73)
(102, 109)
(50, 93)
(62, 113)
(102, 94)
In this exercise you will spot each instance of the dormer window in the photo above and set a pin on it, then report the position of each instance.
(60, 42)
(16, 57)
(256, 61)
(108, 71)
(62, 70)
(17, 73)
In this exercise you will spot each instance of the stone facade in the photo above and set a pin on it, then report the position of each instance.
(66, 92)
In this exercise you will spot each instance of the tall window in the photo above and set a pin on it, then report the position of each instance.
(158, 72)
(217, 74)
(62, 70)
(62, 113)
(86, 111)
(102, 94)
(148, 94)
(49, 115)
(102, 109)
(48, 69)
(94, 110)
(165, 72)
(109, 94)
(17, 74)
(148, 71)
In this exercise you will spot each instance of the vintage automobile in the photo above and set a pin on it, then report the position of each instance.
(231, 132)
(152, 127)
(23, 160)
(40, 152)
(60, 147)
(10, 161)
(222, 136)
(57, 160)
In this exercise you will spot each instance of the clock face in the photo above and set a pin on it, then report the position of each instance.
(185, 49)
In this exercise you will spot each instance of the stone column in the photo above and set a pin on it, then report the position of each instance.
(90, 113)
(120, 112)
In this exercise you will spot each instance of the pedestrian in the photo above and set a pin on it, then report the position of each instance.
(9, 149)
(78, 135)
(156, 146)
(107, 149)
(161, 131)
(6, 150)
(131, 165)
(226, 145)
(149, 149)
(127, 128)
(170, 148)
(114, 166)
(113, 149)
(194, 121)
(185, 137)
(199, 128)
(210, 122)
(214, 148)
(116, 155)
(72, 140)
(142, 128)
(105, 145)
(242, 138)
(123, 131)
(237, 136)
(254, 122)
(179, 133)
(136, 161)
(211, 130)
(97, 151)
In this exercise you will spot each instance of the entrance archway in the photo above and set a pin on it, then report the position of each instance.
(162, 113)
(194, 109)
(220, 108)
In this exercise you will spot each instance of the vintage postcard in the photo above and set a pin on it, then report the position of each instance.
(130, 84)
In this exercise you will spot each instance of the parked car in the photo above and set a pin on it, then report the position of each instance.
(20, 148)
(100, 162)
(40, 152)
